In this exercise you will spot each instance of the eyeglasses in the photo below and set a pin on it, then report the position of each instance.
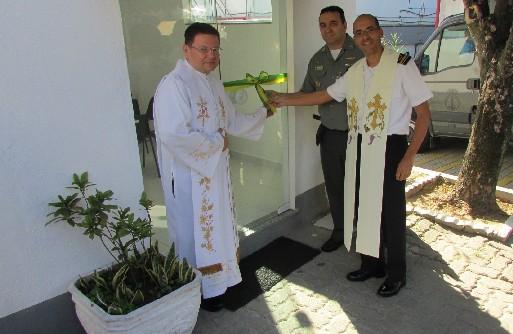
(204, 50)
(369, 30)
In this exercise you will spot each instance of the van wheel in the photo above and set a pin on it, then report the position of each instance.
(427, 144)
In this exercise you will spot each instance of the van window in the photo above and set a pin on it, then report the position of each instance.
(457, 48)
(428, 61)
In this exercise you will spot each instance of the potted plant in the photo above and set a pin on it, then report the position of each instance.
(143, 291)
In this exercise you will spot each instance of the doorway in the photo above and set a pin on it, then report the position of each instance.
(153, 32)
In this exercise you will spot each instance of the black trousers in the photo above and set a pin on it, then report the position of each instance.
(392, 255)
(333, 159)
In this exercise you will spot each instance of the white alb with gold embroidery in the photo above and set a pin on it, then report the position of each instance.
(189, 109)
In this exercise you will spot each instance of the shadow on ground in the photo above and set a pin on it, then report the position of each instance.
(318, 298)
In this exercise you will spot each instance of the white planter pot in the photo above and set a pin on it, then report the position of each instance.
(176, 312)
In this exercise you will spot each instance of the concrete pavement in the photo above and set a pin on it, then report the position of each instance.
(456, 283)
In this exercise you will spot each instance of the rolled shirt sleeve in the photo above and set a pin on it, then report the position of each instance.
(338, 89)
(414, 86)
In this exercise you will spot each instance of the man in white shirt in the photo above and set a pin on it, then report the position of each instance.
(193, 117)
(380, 90)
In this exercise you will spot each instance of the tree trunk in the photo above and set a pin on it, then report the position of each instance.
(491, 130)
(488, 142)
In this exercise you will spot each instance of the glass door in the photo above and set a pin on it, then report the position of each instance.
(259, 168)
(254, 42)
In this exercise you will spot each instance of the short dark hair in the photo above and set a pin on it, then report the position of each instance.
(199, 28)
(372, 17)
(334, 9)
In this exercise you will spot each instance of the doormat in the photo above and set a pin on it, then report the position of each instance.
(263, 269)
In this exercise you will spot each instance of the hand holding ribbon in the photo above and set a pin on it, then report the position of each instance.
(262, 79)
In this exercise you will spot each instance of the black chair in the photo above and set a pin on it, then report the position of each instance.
(149, 113)
(135, 105)
(142, 129)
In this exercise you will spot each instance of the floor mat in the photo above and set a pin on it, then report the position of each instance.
(266, 267)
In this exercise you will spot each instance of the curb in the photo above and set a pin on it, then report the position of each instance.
(500, 231)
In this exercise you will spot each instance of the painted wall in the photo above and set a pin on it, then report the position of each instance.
(65, 108)
(307, 40)
(450, 7)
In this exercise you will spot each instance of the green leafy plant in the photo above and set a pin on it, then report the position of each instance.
(140, 273)
(395, 43)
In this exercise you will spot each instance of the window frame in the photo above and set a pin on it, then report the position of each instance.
(214, 18)
(440, 45)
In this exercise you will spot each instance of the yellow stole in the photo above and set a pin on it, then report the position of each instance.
(368, 115)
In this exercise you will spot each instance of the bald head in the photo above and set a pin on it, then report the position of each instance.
(367, 35)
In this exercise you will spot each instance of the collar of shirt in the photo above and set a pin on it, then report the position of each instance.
(348, 46)
(190, 68)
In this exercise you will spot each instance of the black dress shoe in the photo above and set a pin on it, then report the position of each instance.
(213, 304)
(388, 289)
(362, 275)
(331, 244)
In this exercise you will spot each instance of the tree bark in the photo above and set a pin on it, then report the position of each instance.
(491, 130)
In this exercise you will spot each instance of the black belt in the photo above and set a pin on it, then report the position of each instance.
(333, 130)
(392, 137)
(317, 117)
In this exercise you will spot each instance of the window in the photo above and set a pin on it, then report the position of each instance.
(428, 62)
(457, 48)
(228, 11)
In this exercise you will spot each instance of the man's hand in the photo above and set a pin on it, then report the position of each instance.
(271, 95)
(276, 99)
(404, 168)
(421, 127)
(225, 137)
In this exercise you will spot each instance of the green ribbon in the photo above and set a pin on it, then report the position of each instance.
(262, 79)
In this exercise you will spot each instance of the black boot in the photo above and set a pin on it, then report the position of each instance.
(213, 304)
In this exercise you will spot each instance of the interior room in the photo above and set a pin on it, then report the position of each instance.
(153, 32)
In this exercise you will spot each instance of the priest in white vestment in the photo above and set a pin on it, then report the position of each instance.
(193, 117)
(381, 91)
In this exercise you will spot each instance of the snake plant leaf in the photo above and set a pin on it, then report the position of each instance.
(119, 276)
(137, 298)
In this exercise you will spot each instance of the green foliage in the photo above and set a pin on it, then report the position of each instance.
(395, 43)
(141, 274)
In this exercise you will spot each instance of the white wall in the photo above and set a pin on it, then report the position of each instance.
(307, 40)
(450, 7)
(65, 107)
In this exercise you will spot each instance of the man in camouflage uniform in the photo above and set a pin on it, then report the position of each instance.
(326, 65)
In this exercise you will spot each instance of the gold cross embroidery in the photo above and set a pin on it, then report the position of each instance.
(205, 183)
(206, 219)
(203, 111)
(376, 119)
(353, 113)
(223, 113)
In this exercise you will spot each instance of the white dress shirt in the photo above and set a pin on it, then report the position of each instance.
(409, 91)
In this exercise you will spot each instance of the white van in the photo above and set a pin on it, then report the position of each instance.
(449, 65)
